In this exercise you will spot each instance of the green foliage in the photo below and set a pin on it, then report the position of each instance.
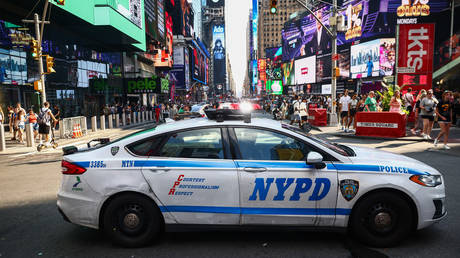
(386, 95)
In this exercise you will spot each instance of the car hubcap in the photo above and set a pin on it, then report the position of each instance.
(382, 220)
(131, 220)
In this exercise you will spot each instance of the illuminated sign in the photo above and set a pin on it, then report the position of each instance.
(414, 9)
(354, 21)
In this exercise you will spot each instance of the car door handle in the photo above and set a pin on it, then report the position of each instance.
(254, 170)
(159, 169)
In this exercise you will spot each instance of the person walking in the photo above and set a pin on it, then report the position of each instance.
(44, 123)
(303, 112)
(418, 125)
(11, 120)
(2, 115)
(352, 109)
(344, 102)
(427, 107)
(20, 125)
(284, 109)
(444, 113)
(408, 99)
(295, 117)
(370, 105)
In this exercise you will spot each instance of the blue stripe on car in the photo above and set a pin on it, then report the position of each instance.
(264, 164)
(256, 211)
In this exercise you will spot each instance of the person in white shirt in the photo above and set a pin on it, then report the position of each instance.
(296, 108)
(344, 102)
(303, 111)
(408, 100)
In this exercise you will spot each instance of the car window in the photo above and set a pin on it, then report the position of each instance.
(200, 144)
(147, 147)
(256, 144)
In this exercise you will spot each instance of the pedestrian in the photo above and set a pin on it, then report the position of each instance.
(352, 109)
(2, 115)
(11, 119)
(295, 117)
(284, 109)
(344, 102)
(57, 115)
(33, 120)
(20, 125)
(16, 110)
(428, 106)
(370, 105)
(395, 102)
(44, 123)
(444, 113)
(408, 99)
(418, 125)
(303, 112)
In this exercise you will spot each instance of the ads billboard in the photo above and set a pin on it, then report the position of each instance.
(305, 70)
(415, 56)
(215, 3)
(218, 53)
(288, 73)
(365, 59)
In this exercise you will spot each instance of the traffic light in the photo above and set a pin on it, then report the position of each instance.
(49, 64)
(38, 85)
(35, 50)
(60, 2)
(273, 8)
(337, 72)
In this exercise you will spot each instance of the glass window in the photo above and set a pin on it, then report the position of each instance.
(199, 144)
(256, 144)
(147, 147)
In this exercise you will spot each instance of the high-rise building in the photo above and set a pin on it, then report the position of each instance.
(270, 25)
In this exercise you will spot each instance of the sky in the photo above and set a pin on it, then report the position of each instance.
(236, 23)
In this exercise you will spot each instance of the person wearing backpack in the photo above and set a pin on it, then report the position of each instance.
(44, 123)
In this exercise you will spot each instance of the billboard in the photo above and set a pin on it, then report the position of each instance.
(274, 53)
(387, 57)
(323, 67)
(178, 77)
(416, 46)
(274, 87)
(218, 53)
(215, 3)
(132, 10)
(365, 59)
(163, 58)
(199, 64)
(288, 73)
(344, 62)
(255, 22)
(306, 36)
(161, 18)
(151, 18)
(305, 70)
(13, 67)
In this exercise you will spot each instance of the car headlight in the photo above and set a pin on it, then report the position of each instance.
(427, 180)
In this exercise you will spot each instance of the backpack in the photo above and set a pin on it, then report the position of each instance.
(43, 117)
(291, 109)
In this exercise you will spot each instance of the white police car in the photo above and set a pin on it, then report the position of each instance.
(240, 174)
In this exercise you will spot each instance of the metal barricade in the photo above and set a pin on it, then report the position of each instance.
(73, 127)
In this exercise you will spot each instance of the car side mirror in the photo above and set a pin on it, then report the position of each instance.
(315, 159)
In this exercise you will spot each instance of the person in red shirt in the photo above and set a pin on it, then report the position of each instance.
(32, 119)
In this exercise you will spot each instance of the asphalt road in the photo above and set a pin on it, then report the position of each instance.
(30, 225)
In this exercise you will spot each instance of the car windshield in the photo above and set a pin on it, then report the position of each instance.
(338, 148)
(196, 108)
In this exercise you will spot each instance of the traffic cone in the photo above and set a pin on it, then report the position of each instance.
(74, 132)
(80, 133)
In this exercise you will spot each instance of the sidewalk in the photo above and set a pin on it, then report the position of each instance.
(15, 148)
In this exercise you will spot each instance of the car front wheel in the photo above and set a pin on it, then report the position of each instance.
(382, 219)
(132, 220)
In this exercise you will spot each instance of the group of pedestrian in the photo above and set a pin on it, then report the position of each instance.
(18, 118)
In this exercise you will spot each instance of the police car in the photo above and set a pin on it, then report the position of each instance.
(225, 171)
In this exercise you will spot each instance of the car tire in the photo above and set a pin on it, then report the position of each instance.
(382, 219)
(132, 220)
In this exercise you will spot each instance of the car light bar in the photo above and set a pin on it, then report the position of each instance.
(221, 115)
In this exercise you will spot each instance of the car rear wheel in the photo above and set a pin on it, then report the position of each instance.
(382, 219)
(132, 220)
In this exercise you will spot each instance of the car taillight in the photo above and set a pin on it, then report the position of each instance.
(71, 169)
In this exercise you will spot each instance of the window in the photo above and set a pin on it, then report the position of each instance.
(256, 144)
(199, 144)
(147, 147)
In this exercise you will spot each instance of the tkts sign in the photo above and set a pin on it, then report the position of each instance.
(416, 55)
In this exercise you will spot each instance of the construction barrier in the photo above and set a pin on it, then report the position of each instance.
(73, 127)
(381, 124)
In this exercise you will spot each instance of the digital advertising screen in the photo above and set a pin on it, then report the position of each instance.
(387, 56)
(323, 67)
(215, 3)
(218, 52)
(274, 87)
(199, 64)
(365, 59)
(344, 62)
(288, 73)
(274, 53)
(305, 70)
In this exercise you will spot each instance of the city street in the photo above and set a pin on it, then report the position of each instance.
(31, 225)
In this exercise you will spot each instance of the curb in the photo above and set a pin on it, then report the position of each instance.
(378, 138)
